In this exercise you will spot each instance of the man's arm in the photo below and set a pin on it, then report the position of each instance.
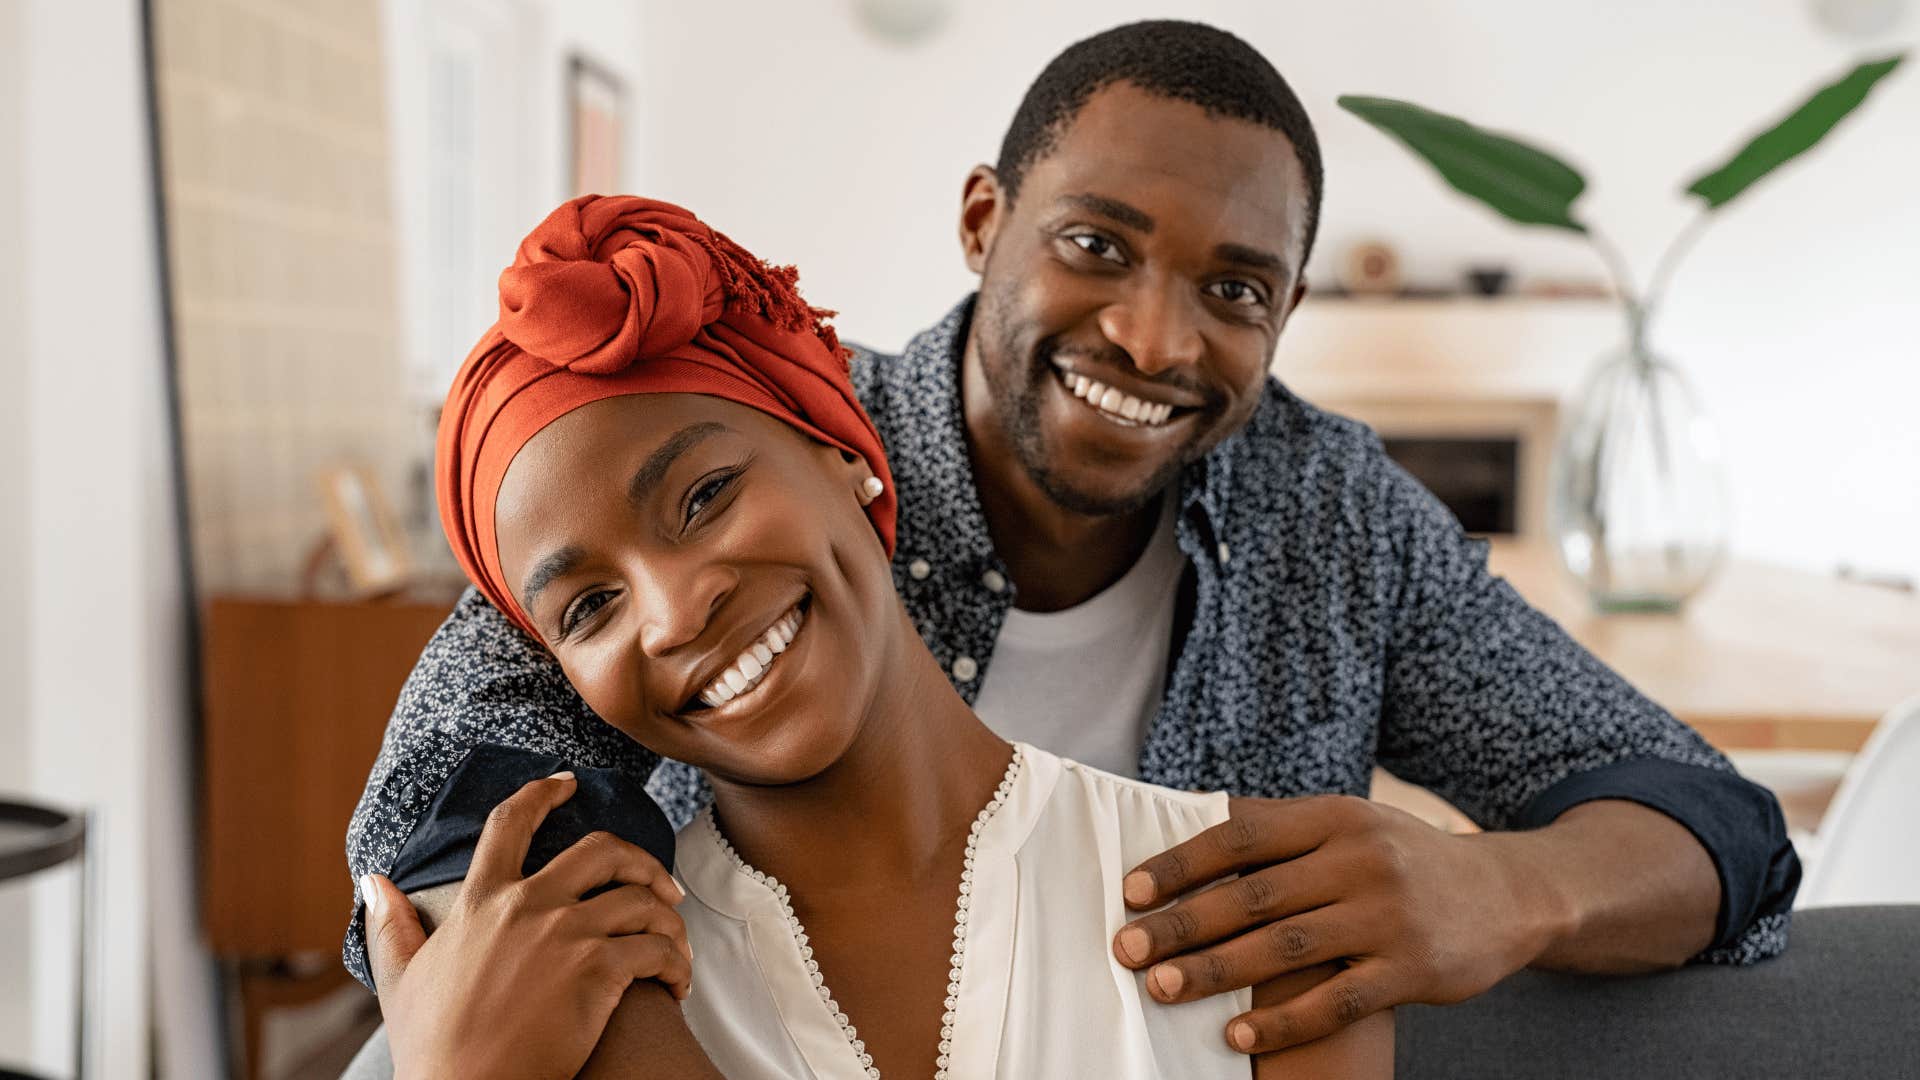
(647, 1038)
(1637, 893)
(1489, 703)
(1642, 847)
(480, 680)
(525, 971)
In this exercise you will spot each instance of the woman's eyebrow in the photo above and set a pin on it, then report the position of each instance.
(556, 565)
(648, 476)
(645, 479)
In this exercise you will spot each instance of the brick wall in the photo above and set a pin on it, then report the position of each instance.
(281, 246)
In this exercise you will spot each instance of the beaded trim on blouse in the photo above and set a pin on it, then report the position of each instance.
(959, 929)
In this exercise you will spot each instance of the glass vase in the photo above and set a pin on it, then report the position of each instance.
(1638, 506)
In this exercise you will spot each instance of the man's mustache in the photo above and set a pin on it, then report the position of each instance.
(1113, 356)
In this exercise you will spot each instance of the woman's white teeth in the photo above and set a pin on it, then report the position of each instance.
(1115, 402)
(752, 665)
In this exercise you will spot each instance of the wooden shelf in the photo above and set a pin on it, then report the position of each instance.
(1479, 349)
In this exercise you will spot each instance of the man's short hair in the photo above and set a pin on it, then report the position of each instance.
(1184, 61)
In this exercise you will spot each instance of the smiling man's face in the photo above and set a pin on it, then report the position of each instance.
(1131, 295)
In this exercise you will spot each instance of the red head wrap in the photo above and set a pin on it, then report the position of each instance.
(620, 295)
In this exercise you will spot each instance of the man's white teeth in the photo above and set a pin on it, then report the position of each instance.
(752, 665)
(1115, 402)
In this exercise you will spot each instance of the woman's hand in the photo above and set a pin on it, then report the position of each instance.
(520, 979)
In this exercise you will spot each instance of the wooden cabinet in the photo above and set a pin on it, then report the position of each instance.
(297, 695)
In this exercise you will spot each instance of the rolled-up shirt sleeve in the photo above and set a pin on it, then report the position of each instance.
(480, 681)
(1736, 820)
(1493, 706)
(437, 856)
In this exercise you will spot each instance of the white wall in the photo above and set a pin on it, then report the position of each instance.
(15, 745)
(810, 141)
(102, 604)
(510, 123)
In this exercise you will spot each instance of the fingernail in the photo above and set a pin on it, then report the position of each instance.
(679, 893)
(1134, 943)
(370, 894)
(1168, 980)
(565, 775)
(1137, 887)
(1241, 1036)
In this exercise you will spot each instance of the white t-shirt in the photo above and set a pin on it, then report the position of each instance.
(1039, 993)
(1085, 682)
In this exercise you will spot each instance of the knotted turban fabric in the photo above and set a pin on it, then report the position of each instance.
(616, 295)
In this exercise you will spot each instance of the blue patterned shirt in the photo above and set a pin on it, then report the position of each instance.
(1339, 619)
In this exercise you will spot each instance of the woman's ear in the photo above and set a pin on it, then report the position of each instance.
(860, 477)
(981, 203)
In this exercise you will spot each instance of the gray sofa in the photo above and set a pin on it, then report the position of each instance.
(1843, 1002)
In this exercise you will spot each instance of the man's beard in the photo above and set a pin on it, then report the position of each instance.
(1017, 390)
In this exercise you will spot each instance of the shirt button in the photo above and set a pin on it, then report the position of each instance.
(965, 669)
(1224, 552)
(918, 569)
(994, 580)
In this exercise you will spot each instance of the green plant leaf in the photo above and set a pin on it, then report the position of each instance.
(1521, 182)
(1793, 136)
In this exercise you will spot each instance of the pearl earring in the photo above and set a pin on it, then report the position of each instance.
(871, 487)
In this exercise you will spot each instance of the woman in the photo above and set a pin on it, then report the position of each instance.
(656, 466)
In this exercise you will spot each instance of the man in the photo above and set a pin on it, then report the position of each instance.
(1127, 544)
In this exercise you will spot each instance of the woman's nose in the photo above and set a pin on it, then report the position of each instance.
(677, 602)
(1157, 325)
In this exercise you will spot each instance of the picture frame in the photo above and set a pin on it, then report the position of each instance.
(596, 119)
(364, 531)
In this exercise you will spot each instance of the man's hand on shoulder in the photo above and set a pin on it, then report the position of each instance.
(1417, 914)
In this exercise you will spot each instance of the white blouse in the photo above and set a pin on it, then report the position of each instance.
(1038, 993)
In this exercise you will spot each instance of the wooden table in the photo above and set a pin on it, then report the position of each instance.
(1763, 658)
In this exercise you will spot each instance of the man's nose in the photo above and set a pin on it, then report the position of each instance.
(677, 601)
(1157, 324)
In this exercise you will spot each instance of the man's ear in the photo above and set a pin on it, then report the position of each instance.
(982, 206)
(1293, 303)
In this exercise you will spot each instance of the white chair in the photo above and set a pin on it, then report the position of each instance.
(1869, 841)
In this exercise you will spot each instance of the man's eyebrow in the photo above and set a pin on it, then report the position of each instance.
(1250, 256)
(647, 477)
(1130, 216)
(554, 566)
(1135, 218)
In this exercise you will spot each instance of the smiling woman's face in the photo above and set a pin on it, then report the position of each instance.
(706, 577)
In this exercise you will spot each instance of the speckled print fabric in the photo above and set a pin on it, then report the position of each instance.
(1341, 619)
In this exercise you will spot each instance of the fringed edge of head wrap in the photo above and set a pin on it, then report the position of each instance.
(772, 292)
